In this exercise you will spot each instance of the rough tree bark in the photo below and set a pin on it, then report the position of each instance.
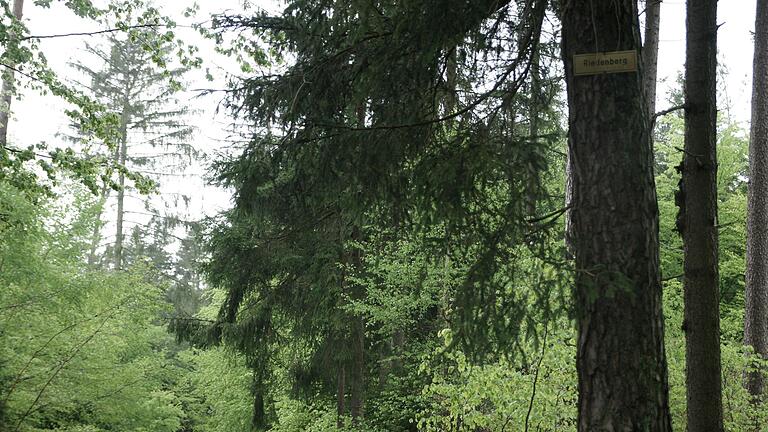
(651, 52)
(7, 89)
(621, 363)
(756, 294)
(698, 221)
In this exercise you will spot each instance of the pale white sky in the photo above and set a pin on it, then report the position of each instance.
(38, 118)
(734, 50)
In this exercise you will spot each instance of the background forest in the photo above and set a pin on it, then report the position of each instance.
(397, 253)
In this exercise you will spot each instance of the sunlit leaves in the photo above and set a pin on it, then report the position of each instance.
(78, 348)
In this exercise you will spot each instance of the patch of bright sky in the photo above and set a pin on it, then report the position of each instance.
(735, 49)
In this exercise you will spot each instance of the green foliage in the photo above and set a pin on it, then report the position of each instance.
(498, 396)
(445, 389)
(732, 208)
(739, 414)
(402, 283)
(78, 347)
(297, 416)
(218, 391)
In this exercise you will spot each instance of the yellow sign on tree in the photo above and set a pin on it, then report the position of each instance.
(609, 62)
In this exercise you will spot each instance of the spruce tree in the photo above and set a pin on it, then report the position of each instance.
(302, 207)
(152, 133)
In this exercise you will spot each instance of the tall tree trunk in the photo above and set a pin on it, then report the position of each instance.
(698, 215)
(451, 75)
(533, 129)
(96, 234)
(122, 157)
(259, 420)
(621, 364)
(756, 294)
(651, 52)
(8, 85)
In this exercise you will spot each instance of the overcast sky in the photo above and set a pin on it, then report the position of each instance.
(734, 50)
(37, 118)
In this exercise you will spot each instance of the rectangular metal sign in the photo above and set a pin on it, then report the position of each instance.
(609, 62)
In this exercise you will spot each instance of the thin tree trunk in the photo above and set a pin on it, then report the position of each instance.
(532, 194)
(621, 363)
(569, 205)
(756, 290)
(6, 96)
(259, 420)
(385, 362)
(96, 234)
(651, 52)
(341, 389)
(698, 215)
(95, 237)
(122, 157)
(451, 82)
(398, 341)
(8, 81)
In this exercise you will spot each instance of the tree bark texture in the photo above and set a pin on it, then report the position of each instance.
(756, 295)
(698, 215)
(651, 52)
(8, 86)
(621, 363)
